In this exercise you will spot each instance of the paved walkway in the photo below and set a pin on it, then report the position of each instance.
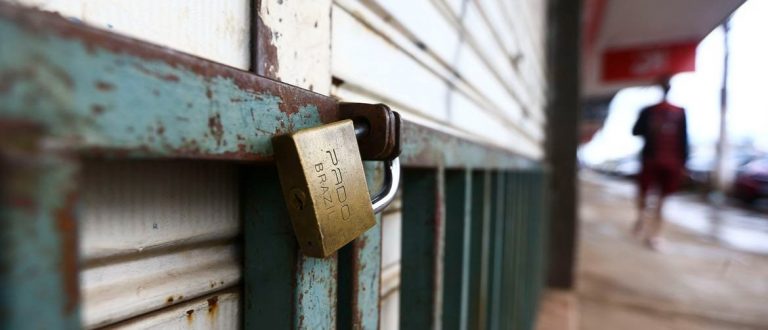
(711, 271)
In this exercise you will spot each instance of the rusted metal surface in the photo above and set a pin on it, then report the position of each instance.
(380, 128)
(103, 93)
(220, 310)
(366, 265)
(426, 147)
(38, 243)
(106, 95)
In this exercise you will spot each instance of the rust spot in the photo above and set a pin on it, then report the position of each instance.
(216, 129)
(104, 86)
(208, 93)
(97, 109)
(266, 51)
(169, 300)
(190, 315)
(67, 226)
(213, 305)
(163, 76)
(160, 129)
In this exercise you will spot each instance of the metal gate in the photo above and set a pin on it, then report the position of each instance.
(473, 217)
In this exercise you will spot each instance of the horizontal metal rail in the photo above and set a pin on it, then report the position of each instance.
(101, 94)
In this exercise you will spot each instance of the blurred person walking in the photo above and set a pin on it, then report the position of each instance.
(663, 129)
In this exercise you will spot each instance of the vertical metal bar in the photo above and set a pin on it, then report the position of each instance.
(485, 264)
(315, 293)
(479, 211)
(283, 289)
(270, 252)
(497, 251)
(457, 208)
(466, 251)
(359, 280)
(38, 241)
(439, 251)
(523, 256)
(512, 282)
(421, 260)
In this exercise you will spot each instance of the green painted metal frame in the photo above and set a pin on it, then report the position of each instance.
(91, 93)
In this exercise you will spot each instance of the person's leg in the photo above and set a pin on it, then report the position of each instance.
(644, 180)
(669, 181)
(655, 222)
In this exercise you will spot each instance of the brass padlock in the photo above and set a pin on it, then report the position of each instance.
(323, 182)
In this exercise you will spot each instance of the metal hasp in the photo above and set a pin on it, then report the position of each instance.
(378, 129)
(379, 136)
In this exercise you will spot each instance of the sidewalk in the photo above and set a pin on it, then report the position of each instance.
(703, 277)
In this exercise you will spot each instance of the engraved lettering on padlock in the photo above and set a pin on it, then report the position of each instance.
(334, 159)
(346, 215)
(337, 174)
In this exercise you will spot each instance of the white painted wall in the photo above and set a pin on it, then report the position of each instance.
(215, 30)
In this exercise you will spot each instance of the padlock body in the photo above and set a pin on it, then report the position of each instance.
(323, 183)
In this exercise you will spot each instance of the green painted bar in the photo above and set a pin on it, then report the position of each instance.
(497, 250)
(38, 241)
(522, 259)
(466, 251)
(512, 281)
(419, 222)
(270, 252)
(315, 295)
(107, 95)
(457, 210)
(360, 269)
(479, 214)
(282, 288)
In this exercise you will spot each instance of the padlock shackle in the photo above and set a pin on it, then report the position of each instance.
(391, 184)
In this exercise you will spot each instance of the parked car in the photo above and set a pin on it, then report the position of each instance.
(752, 180)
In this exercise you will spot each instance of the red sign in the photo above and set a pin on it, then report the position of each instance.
(648, 63)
